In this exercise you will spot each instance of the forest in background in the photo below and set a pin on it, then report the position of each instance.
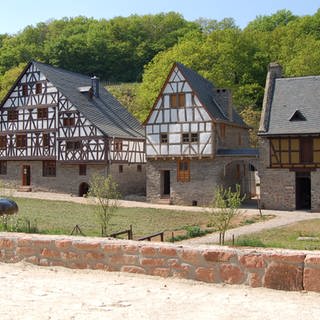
(138, 51)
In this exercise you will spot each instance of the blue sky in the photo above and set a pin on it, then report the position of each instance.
(17, 14)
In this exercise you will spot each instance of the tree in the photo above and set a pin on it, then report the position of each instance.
(224, 207)
(104, 190)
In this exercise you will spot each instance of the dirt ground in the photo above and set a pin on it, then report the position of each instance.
(31, 292)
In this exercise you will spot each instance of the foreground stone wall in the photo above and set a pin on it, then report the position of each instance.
(276, 269)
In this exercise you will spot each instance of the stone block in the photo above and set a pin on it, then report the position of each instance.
(218, 256)
(231, 274)
(311, 279)
(148, 251)
(133, 269)
(205, 274)
(87, 245)
(152, 262)
(252, 261)
(282, 276)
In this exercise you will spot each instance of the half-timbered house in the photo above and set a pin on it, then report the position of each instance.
(58, 128)
(195, 141)
(290, 142)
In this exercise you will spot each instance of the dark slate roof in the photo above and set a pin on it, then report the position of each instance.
(292, 96)
(105, 111)
(205, 91)
(238, 152)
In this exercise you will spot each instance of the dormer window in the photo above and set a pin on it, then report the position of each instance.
(38, 88)
(178, 100)
(297, 116)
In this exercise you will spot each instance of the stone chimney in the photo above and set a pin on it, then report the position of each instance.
(274, 72)
(224, 99)
(95, 86)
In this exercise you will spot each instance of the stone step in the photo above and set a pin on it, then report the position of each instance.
(24, 189)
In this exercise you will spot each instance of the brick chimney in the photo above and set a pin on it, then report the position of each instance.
(95, 86)
(274, 72)
(224, 99)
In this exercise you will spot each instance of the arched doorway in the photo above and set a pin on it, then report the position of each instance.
(83, 189)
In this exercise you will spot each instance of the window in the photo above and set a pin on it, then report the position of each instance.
(73, 145)
(21, 140)
(120, 168)
(45, 140)
(239, 139)
(38, 88)
(3, 142)
(164, 138)
(178, 100)
(139, 168)
(194, 137)
(306, 150)
(68, 122)
(222, 130)
(42, 113)
(3, 167)
(49, 168)
(118, 145)
(183, 172)
(13, 115)
(82, 169)
(24, 90)
(190, 137)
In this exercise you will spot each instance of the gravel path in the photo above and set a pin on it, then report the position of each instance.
(39, 293)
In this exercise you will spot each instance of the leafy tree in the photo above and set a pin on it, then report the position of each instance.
(224, 207)
(251, 117)
(269, 23)
(104, 191)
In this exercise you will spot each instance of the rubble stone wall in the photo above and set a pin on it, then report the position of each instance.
(271, 268)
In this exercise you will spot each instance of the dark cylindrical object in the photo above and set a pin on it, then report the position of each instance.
(8, 206)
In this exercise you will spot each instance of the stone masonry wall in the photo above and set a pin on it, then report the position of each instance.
(68, 180)
(205, 176)
(277, 186)
(276, 269)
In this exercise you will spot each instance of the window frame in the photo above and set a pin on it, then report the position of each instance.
(82, 169)
(164, 138)
(3, 142)
(183, 170)
(21, 141)
(42, 113)
(177, 100)
(25, 90)
(38, 87)
(49, 168)
(13, 115)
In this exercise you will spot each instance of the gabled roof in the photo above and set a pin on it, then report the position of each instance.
(105, 111)
(204, 90)
(295, 99)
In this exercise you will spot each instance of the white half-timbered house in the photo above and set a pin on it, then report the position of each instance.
(58, 128)
(195, 141)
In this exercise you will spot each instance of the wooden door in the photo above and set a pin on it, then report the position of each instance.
(303, 191)
(166, 183)
(26, 175)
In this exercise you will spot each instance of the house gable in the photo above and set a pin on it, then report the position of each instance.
(178, 114)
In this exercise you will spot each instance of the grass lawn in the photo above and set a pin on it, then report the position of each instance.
(59, 217)
(285, 237)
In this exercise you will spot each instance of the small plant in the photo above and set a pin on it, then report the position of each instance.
(249, 242)
(224, 207)
(104, 191)
(192, 232)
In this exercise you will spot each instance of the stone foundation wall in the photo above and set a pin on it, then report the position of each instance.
(276, 269)
(68, 180)
(205, 177)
